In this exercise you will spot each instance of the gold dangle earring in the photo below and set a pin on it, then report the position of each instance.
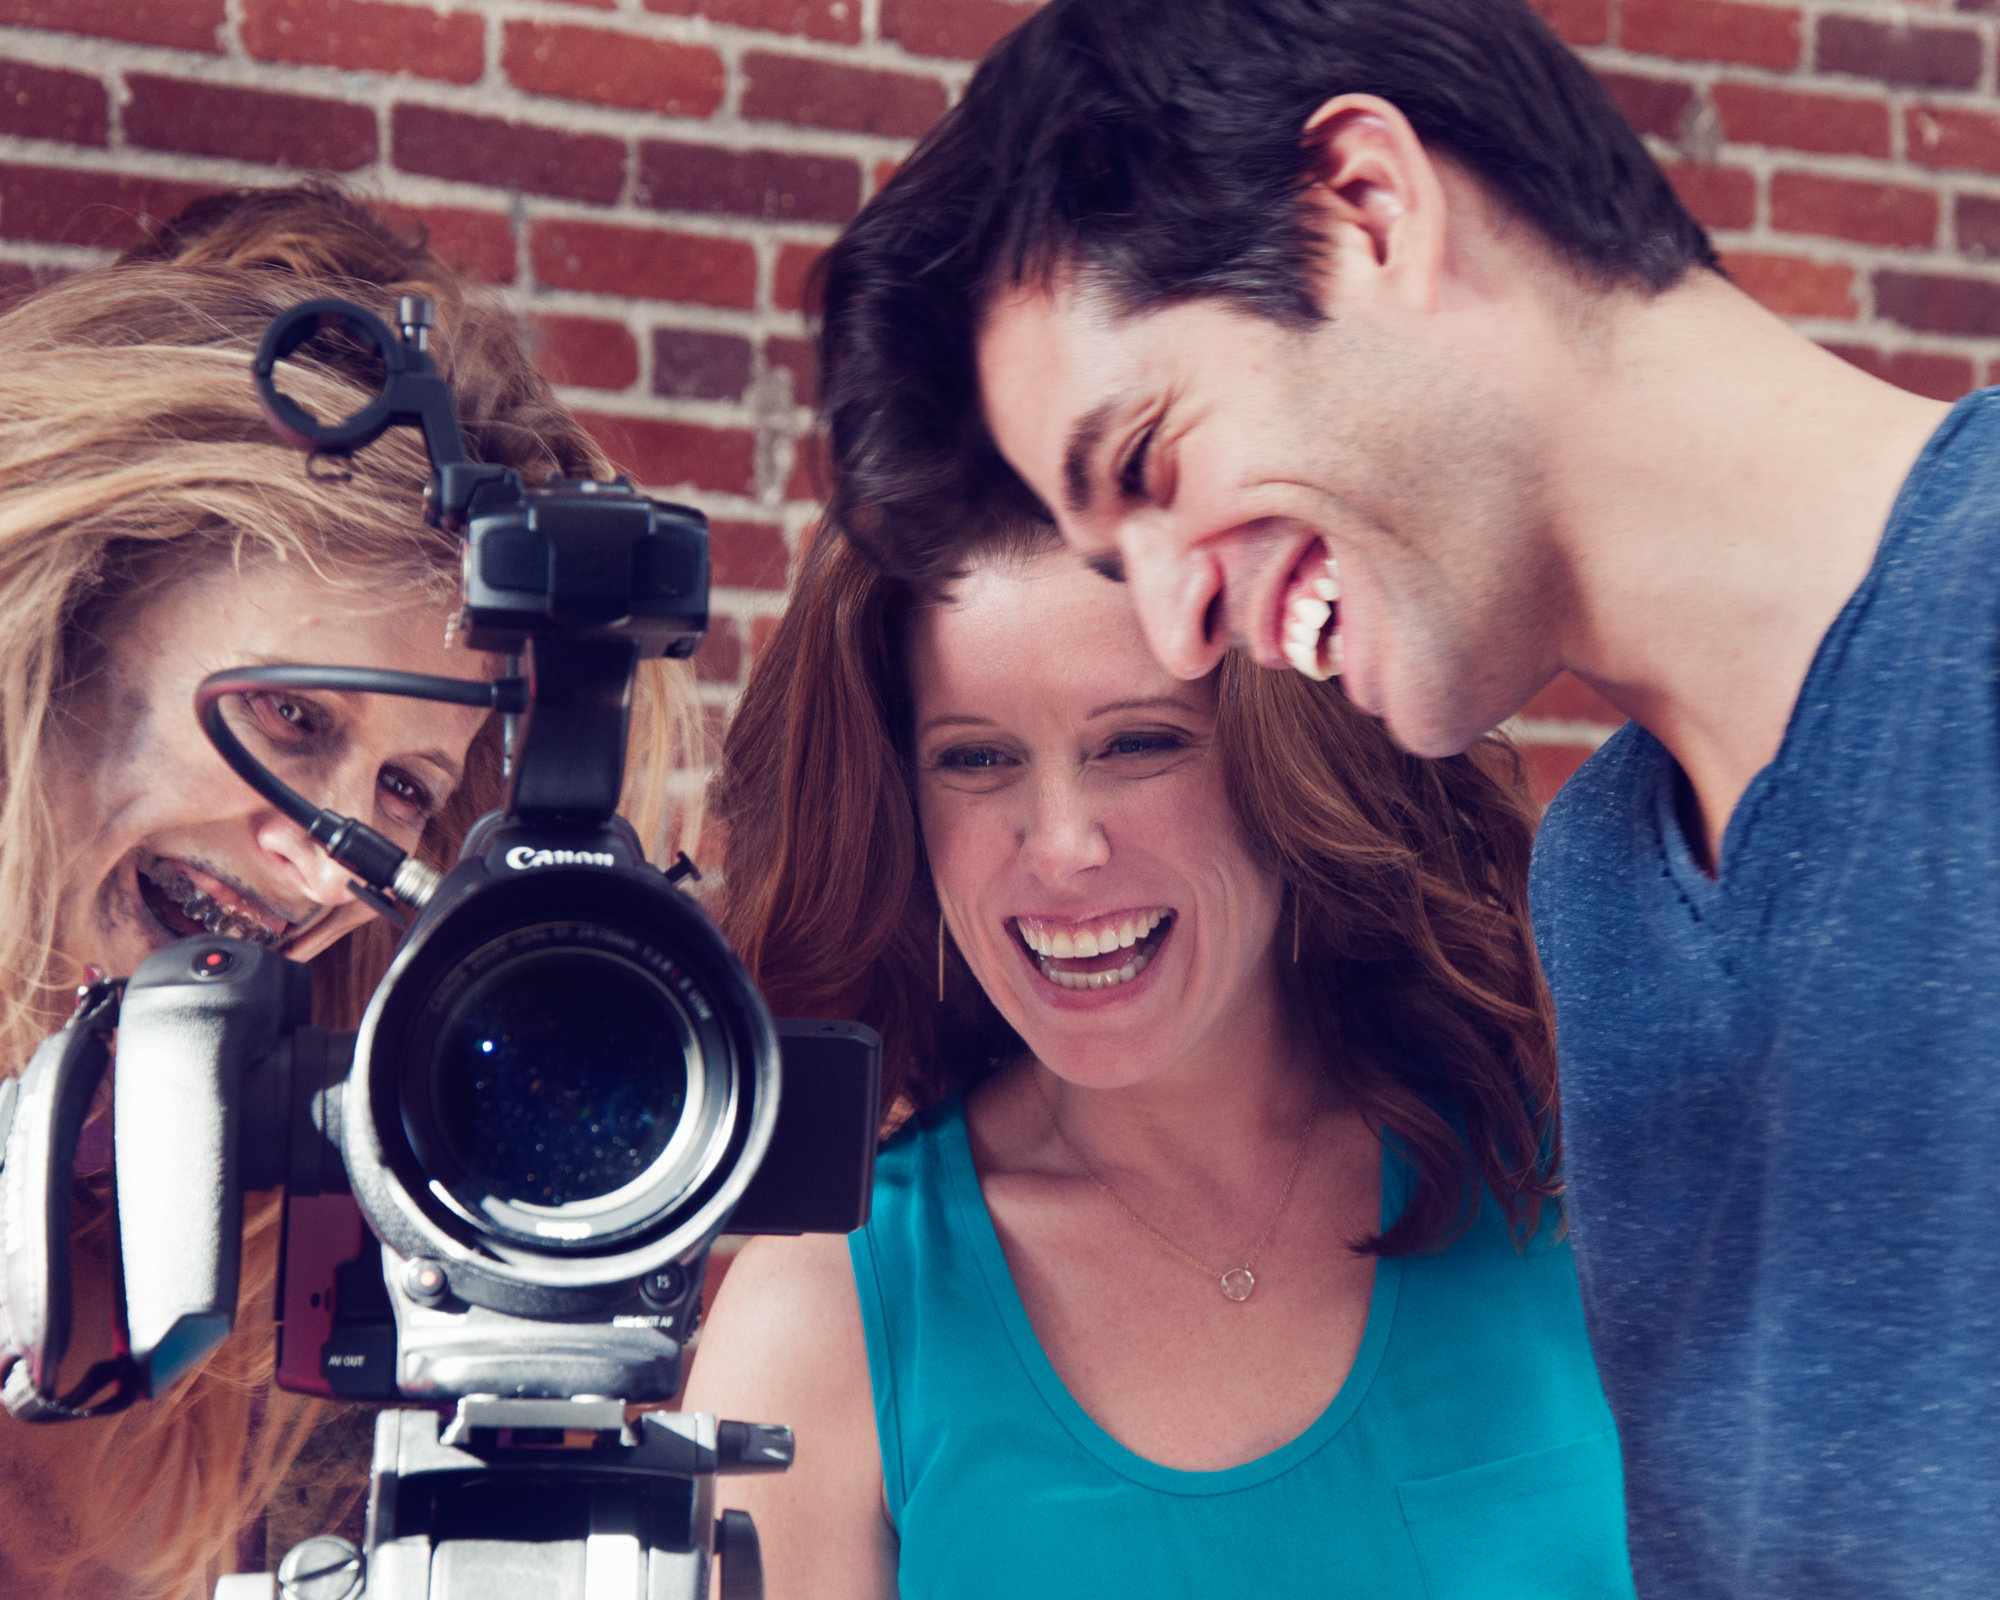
(940, 955)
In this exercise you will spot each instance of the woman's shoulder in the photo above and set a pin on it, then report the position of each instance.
(785, 1325)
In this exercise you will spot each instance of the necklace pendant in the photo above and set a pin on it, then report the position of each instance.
(1238, 1283)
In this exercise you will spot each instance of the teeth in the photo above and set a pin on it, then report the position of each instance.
(1098, 980)
(1311, 644)
(225, 922)
(1068, 944)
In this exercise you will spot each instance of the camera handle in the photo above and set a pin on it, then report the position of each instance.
(42, 1113)
(541, 1500)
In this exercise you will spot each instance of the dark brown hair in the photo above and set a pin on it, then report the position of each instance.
(1417, 968)
(1158, 146)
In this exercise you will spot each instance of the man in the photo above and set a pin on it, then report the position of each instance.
(1362, 335)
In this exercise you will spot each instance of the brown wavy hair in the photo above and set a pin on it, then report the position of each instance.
(1408, 879)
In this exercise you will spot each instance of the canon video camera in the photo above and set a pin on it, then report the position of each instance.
(561, 1093)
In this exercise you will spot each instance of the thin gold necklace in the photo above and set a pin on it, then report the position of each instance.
(1236, 1283)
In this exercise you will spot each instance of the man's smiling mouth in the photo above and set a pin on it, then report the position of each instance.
(1309, 623)
(187, 908)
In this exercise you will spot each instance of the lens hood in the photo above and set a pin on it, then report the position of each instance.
(566, 1080)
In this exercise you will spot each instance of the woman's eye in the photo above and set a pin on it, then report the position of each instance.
(1144, 744)
(284, 719)
(972, 758)
(406, 796)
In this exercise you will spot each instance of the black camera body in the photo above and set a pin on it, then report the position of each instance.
(563, 1090)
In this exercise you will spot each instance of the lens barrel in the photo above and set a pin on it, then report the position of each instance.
(565, 1081)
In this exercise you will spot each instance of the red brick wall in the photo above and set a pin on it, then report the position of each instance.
(648, 181)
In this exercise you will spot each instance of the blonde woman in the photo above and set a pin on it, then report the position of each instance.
(152, 530)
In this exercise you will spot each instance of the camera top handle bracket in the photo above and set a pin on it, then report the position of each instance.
(413, 392)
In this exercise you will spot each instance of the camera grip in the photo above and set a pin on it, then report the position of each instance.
(197, 1015)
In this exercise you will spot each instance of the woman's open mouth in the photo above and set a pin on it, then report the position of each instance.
(1099, 953)
(187, 902)
(1309, 616)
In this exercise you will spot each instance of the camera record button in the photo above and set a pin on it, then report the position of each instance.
(212, 963)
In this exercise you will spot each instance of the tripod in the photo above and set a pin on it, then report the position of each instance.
(540, 1500)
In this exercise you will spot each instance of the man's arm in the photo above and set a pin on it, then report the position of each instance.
(784, 1344)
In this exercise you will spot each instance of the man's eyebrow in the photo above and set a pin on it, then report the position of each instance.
(1084, 439)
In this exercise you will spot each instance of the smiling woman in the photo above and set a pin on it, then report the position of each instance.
(1216, 1249)
(153, 530)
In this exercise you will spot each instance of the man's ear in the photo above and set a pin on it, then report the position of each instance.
(1380, 203)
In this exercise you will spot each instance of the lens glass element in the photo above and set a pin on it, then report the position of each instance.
(560, 1076)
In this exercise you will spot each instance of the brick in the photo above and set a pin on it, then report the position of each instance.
(1939, 136)
(1793, 286)
(60, 205)
(825, 94)
(689, 364)
(1651, 105)
(281, 130)
(1873, 213)
(588, 352)
(793, 276)
(612, 69)
(1933, 303)
(1896, 52)
(507, 155)
(1941, 377)
(1976, 222)
(1713, 30)
(1832, 124)
(747, 555)
(880, 174)
(836, 20)
(1577, 21)
(178, 24)
(1719, 197)
(478, 243)
(43, 103)
(368, 36)
(762, 630)
(811, 470)
(771, 184)
(671, 455)
(1570, 699)
(962, 29)
(799, 357)
(645, 263)
(720, 658)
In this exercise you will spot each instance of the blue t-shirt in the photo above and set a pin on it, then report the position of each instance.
(1467, 1456)
(1781, 1097)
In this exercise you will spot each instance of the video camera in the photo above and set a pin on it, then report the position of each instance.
(562, 1091)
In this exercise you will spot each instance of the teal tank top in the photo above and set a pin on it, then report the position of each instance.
(1469, 1455)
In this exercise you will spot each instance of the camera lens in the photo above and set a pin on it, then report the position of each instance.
(559, 1077)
